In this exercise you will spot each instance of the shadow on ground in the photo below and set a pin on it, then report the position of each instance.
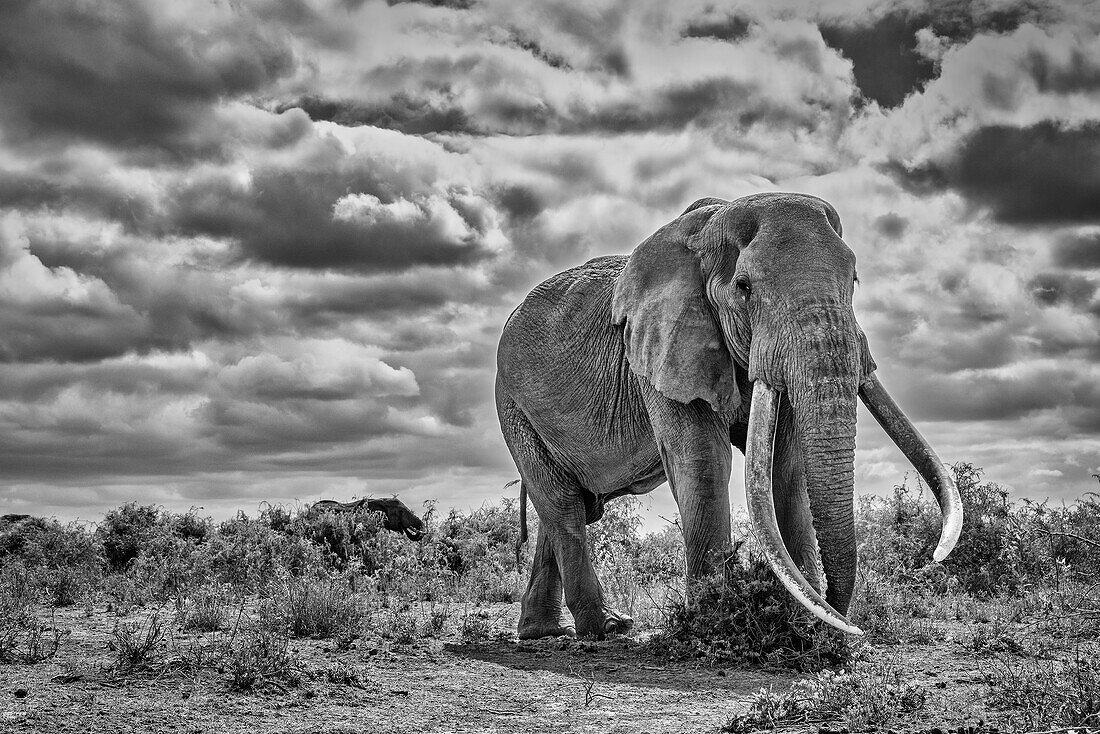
(622, 661)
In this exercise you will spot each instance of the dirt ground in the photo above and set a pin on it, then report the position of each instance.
(496, 684)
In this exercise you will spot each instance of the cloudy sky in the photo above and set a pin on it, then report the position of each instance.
(263, 249)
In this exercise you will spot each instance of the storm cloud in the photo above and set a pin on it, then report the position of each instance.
(258, 251)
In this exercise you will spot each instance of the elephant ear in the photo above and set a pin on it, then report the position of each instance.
(671, 335)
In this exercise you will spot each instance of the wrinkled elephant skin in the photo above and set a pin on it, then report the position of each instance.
(730, 326)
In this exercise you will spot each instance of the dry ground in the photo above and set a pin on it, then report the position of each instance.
(495, 684)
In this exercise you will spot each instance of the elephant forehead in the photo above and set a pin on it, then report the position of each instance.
(773, 201)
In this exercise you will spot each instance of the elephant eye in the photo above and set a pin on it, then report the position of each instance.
(743, 286)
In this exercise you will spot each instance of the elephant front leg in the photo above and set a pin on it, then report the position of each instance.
(540, 611)
(697, 456)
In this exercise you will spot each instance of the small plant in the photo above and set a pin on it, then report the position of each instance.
(1063, 691)
(260, 657)
(439, 613)
(995, 637)
(137, 645)
(870, 697)
(26, 639)
(476, 626)
(206, 610)
(342, 674)
(401, 626)
(322, 608)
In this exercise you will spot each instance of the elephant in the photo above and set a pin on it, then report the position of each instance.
(732, 325)
(395, 515)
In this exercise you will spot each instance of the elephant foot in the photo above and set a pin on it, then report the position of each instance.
(611, 622)
(536, 630)
(617, 623)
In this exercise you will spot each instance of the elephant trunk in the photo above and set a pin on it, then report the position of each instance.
(822, 377)
(759, 454)
(822, 386)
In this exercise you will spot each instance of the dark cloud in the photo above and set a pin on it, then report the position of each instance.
(981, 395)
(456, 4)
(119, 75)
(1077, 251)
(724, 27)
(68, 334)
(883, 47)
(343, 217)
(39, 381)
(520, 202)
(1051, 289)
(400, 112)
(890, 225)
(884, 59)
(1044, 173)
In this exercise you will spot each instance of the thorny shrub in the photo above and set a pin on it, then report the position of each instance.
(321, 607)
(641, 575)
(123, 532)
(138, 645)
(24, 637)
(1005, 547)
(871, 695)
(1042, 692)
(742, 615)
(259, 654)
(64, 561)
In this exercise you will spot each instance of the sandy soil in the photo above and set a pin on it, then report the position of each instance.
(434, 685)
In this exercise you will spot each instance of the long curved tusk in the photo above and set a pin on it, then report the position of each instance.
(903, 433)
(761, 505)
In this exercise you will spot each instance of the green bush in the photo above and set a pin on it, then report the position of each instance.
(997, 552)
(250, 556)
(872, 695)
(321, 608)
(124, 531)
(479, 550)
(742, 615)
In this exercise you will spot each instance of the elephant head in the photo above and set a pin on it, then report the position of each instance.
(751, 300)
(397, 517)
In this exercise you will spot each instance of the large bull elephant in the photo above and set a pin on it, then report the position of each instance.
(730, 326)
(395, 515)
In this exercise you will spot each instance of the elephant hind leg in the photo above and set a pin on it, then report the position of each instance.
(561, 546)
(541, 607)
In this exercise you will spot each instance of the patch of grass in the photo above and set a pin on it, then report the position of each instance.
(476, 626)
(872, 695)
(137, 646)
(742, 615)
(1040, 693)
(890, 613)
(322, 608)
(260, 656)
(206, 609)
(402, 626)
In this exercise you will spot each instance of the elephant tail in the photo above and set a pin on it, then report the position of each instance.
(522, 541)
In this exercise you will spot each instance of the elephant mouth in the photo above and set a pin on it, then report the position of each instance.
(414, 533)
(759, 453)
